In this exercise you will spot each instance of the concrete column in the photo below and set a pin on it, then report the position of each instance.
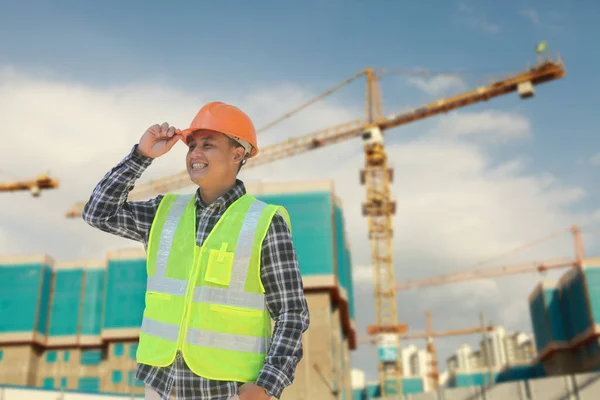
(336, 350)
(18, 366)
(347, 379)
(320, 343)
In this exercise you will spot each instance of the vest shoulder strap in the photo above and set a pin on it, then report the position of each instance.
(167, 217)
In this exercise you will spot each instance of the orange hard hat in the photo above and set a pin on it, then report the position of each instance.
(227, 119)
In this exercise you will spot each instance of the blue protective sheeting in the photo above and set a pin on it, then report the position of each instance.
(541, 331)
(44, 310)
(318, 233)
(521, 372)
(592, 276)
(340, 247)
(412, 385)
(64, 315)
(372, 391)
(555, 315)
(19, 297)
(509, 374)
(576, 307)
(312, 229)
(126, 285)
(548, 319)
(93, 302)
(566, 312)
(351, 280)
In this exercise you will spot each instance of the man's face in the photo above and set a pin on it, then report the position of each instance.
(211, 160)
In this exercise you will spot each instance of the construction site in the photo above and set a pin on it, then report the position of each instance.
(70, 328)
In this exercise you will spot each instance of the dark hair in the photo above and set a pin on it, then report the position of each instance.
(236, 144)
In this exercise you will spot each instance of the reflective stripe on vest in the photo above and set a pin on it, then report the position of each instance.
(233, 295)
(225, 341)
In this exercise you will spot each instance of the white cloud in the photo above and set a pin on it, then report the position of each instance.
(362, 274)
(531, 15)
(595, 159)
(547, 19)
(468, 15)
(489, 125)
(439, 85)
(455, 206)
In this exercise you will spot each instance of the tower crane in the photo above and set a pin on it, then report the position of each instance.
(34, 185)
(512, 269)
(376, 176)
(429, 334)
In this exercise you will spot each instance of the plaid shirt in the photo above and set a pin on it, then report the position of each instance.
(108, 211)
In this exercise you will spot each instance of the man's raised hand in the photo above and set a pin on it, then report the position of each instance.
(158, 140)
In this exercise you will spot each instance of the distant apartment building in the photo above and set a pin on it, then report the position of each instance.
(500, 349)
(416, 363)
(465, 359)
(520, 347)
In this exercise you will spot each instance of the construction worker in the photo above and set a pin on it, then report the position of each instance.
(221, 264)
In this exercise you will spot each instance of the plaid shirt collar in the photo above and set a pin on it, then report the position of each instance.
(227, 199)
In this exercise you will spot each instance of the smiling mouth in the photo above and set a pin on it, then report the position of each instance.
(197, 166)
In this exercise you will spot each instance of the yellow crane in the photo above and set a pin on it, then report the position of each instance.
(34, 185)
(376, 176)
(433, 370)
(540, 266)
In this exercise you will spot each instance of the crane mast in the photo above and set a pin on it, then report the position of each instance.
(379, 208)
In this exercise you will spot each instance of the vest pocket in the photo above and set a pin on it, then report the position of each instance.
(158, 296)
(218, 268)
(232, 310)
(237, 320)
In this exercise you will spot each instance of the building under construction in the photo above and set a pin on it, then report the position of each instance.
(75, 324)
(565, 315)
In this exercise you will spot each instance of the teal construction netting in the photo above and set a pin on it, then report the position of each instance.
(44, 310)
(312, 229)
(64, 314)
(576, 306)
(537, 312)
(19, 296)
(125, 293)
(93, 301)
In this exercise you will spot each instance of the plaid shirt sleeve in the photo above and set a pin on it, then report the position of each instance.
(108, 209)
(287, 306)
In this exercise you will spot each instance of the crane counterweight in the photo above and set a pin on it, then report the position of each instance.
(525, 90)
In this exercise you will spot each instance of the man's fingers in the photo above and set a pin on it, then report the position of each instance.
(172, 140)
(163, 131)
(164, 128)
(154, 130)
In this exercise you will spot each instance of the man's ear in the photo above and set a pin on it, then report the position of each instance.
(239, 154)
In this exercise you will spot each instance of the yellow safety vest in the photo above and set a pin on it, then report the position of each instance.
(207, 301)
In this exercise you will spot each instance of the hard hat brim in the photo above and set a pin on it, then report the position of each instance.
(185, 133)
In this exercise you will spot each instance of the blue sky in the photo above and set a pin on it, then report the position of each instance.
(245, 44)
(100, 72)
